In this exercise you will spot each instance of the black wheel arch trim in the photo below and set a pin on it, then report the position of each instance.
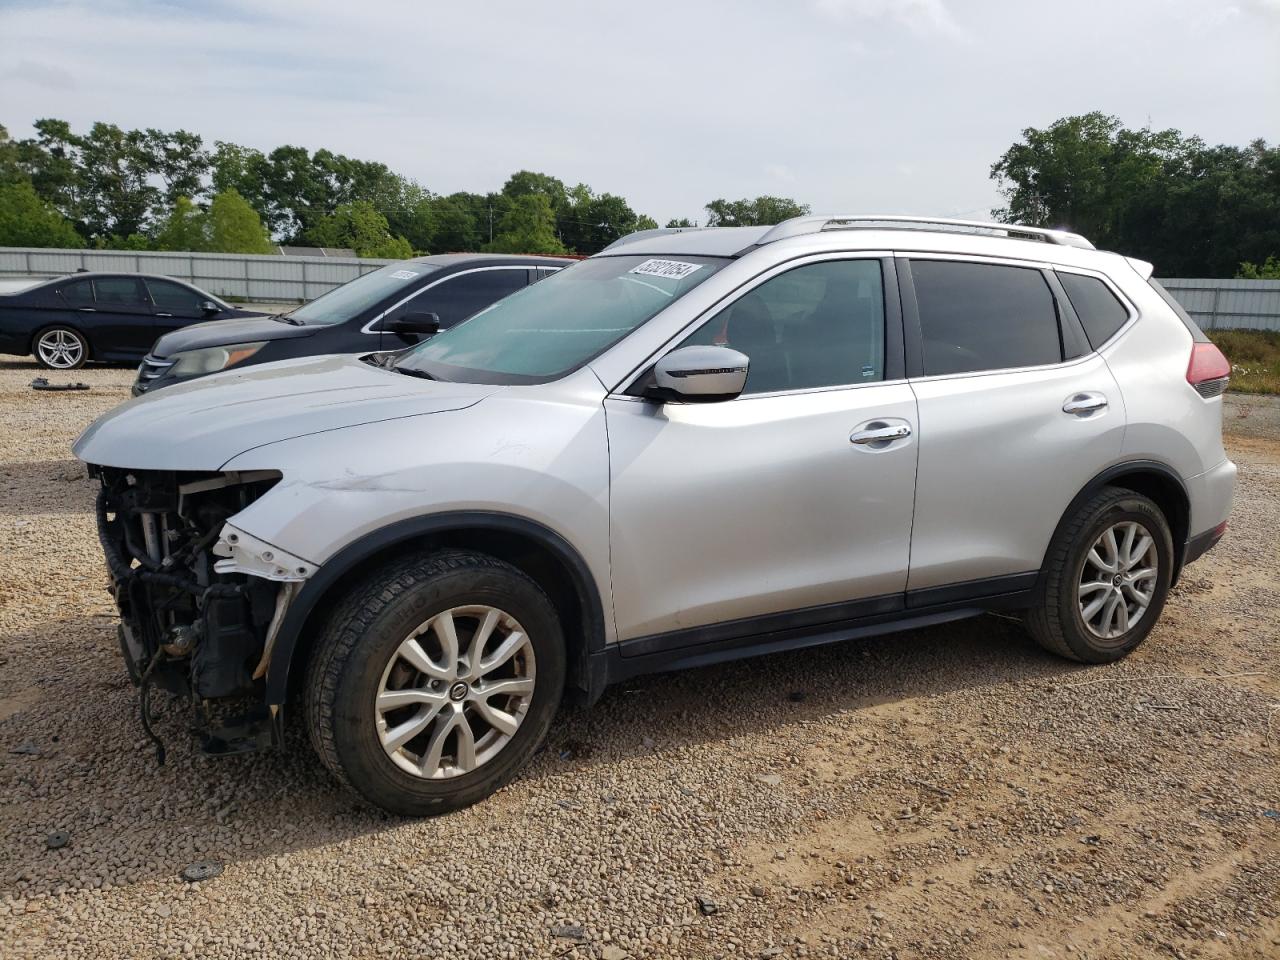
(347, 560)
(1117, 470)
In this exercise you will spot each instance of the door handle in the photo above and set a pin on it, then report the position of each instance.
(87, 310)
(883, 434)
(1080, 404)
(164, 314)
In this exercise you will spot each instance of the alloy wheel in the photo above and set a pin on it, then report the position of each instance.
(1118, 581)
(455, 692)
(60, 349)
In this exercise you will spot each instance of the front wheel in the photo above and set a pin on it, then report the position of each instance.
(1106, 578)
(435, 681)
(60, 348)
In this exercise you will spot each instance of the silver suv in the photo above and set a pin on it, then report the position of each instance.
(692, 447)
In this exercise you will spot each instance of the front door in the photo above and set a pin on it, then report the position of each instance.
(176, 306)
(797, 495)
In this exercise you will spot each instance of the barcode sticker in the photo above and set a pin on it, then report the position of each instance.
(671, 269)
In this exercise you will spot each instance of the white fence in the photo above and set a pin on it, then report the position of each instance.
(1229, 304)
(1215, 304)
(242, 276)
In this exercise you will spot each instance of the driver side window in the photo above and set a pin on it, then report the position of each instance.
(819, 325)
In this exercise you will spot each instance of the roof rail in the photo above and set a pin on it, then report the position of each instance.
(645, 234)
(799, 226)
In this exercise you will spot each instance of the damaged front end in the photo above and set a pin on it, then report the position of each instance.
(200, 601)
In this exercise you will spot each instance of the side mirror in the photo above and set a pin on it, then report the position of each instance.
(209, 308)
(421, 323)
(699, 374)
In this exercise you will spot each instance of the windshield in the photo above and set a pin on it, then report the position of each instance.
(356, 296)
(556, 325)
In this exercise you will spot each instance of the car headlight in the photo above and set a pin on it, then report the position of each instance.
(213, 359)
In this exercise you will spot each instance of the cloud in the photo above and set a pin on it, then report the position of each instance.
(918, 16)
(780, 172)
(46, 76)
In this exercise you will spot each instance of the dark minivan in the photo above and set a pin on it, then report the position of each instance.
(388, 309)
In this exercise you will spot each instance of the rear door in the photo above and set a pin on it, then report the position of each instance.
(1016, 412)
(123, 317)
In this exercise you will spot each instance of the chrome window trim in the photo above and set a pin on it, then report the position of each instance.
(736, 294)
(435, 283)
(1040, 265)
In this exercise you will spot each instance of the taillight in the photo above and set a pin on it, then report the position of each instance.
(1208, 370)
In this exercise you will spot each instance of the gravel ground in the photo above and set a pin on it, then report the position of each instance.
(950, 792)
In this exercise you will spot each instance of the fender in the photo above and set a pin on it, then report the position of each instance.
(348, 559)
(1136, 466)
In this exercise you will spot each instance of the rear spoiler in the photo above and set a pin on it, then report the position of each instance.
(1145, 270)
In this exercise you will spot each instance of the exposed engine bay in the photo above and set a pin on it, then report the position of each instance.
(199, 605)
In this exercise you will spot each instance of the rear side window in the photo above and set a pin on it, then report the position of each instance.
(977, 316)
(459, 297)
(1096, 306)
(119, 292)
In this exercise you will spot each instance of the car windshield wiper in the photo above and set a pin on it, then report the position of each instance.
(286, 318)
(411, 372)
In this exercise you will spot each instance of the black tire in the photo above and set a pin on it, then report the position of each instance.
(77, 348)
(359, 641)
(1056, 620)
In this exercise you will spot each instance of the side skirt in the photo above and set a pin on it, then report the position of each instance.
(812, 627)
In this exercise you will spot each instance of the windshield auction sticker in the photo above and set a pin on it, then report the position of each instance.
(403, 275)
(671, 269)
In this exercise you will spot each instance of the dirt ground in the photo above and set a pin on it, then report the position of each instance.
(951, 792)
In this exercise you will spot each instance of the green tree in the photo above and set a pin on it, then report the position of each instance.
(682, 222)
(1192, 209)
(28, 221)
(185, 228)
(1269, 270)
(362, 228)
(235, 227)
(594, 222)
(179, 159)
(761, 211)
(529, 226)
(453, 227)
(115, 176)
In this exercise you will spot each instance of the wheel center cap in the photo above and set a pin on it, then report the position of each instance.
(459, 691)
(1118, 579)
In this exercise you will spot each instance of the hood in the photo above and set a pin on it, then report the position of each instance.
(201, 424)
(219, 333)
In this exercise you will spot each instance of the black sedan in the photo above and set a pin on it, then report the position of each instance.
(70, 320)
(388, 309)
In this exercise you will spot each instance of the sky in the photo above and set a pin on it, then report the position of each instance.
(850, 106)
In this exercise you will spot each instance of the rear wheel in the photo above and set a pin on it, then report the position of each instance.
(1105, 580)
(435, 682)
(60, 348)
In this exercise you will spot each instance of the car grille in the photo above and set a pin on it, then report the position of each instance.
(152, 368)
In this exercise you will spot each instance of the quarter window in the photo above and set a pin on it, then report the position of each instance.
(978, 316)
(820, 325)
(79, 293)
(1096, 306)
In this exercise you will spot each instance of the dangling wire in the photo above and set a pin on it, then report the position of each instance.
(144, 704)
